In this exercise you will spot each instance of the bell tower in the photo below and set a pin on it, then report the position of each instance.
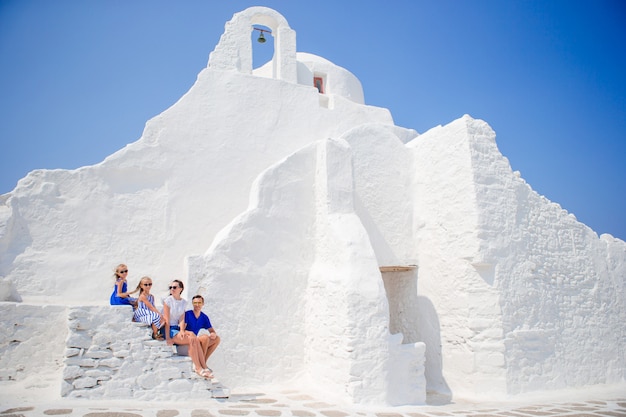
(234, 50)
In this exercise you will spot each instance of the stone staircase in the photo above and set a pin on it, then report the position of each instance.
(109, 356)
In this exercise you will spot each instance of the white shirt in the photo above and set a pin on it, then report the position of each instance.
(177, 309)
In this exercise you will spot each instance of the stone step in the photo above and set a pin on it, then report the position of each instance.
(109, 356)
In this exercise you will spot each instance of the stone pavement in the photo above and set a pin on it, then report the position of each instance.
(296, 404)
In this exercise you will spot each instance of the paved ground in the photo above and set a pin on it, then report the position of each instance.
(293, 403)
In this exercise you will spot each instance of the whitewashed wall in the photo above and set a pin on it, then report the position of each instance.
(528, 298)
(296, 287)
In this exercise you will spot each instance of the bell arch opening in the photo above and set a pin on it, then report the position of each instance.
(263, 51)
(234, 50)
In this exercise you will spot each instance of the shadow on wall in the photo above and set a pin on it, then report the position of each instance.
(429, 332)
(415, 317)
(16, 237)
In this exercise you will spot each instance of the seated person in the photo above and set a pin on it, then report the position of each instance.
(146, 312)
(199, 323)
(121, 295)
(175, 329)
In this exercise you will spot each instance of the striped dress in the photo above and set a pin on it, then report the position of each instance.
(144, 315)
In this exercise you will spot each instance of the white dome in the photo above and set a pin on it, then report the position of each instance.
(336, 80)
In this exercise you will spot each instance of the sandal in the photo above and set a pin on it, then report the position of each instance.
(206, 373)
(157, 336)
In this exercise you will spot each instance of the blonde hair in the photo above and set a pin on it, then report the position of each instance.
(116, 270)
(139, 286)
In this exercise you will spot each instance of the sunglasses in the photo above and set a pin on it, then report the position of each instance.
(147, 285)
(173, 288)
(124, 271)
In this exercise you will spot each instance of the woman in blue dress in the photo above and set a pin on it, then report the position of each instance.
(120, 295)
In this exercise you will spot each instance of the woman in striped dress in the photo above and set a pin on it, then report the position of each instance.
(146, 312)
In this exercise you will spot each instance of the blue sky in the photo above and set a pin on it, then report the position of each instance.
(81, 78)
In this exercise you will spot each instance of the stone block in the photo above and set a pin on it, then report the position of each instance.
(78, 340)
(97, 353)
(98, 373)
(180, 385)
(168, 372)
(121, 353)
(118, 345)
(96, 392)
(182, 350)
(182, 363)
(148, 381)
(85, 382)
(69, 352)
(130, 369)
(66, 388)
(154, 343)
(72, 372)
(79, 324)
(111, 362)
(106, 336)
(79, 361)
(161, 353)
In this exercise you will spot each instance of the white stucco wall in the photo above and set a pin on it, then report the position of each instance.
(337, 81)
(295, 283)
(519, 286)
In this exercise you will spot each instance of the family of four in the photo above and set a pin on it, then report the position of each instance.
(175, 324)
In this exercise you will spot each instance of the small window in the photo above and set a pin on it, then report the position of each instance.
(318, 82)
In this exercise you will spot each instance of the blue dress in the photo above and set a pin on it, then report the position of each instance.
(119, 301)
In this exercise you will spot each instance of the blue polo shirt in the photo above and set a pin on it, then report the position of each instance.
(195, 324)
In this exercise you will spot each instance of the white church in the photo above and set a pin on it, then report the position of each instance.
(332, 246)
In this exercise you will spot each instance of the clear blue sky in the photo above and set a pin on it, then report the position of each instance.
(79, 79)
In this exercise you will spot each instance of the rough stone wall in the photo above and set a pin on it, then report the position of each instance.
(108, 356)
(528, 298)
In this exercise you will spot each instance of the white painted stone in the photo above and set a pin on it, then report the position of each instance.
(85, 382)
(180, 385)
(82, 362)
(66, 388)
(97, 353)
(111, 362)
(121, 354)
(148, 381)
(73, 372)
(79, 340)
(169, 372)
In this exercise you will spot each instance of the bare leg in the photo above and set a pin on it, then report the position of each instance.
(155, 332)
(204, 342)
(195, 351)
(208, 345)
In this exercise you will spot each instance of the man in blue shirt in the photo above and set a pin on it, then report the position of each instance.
(199, 323)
